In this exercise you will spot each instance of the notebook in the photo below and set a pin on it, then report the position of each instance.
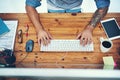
(3, 28)
(7, 40)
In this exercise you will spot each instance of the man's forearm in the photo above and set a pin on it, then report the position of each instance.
(100, 13)
(33, 15)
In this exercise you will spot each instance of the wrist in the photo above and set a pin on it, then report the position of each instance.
(39, 30)
(90, 27)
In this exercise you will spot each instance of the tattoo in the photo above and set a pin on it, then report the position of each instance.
(100, 13)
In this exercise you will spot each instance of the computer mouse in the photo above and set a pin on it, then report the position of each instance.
(29, 45)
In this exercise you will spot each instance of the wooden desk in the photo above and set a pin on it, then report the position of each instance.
(62, 26)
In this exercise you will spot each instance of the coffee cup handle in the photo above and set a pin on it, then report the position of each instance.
(101, 39)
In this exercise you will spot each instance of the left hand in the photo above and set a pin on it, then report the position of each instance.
(85, 36)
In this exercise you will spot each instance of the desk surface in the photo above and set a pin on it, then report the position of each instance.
(62, 26)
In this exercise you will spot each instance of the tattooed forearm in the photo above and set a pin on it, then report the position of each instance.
(100, 13)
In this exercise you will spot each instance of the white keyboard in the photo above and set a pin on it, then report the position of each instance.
(67, 45)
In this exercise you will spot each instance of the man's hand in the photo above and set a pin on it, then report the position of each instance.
(85, 36)
(44, 37)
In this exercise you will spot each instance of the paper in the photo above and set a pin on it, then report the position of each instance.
(108, 60)
(108, 67)
(8, 40)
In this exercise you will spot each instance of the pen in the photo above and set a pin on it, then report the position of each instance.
(26, 30)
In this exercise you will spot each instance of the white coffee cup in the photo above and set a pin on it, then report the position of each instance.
(105, 45)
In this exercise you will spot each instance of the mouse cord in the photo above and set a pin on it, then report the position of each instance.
(62, 58)
(22, 59)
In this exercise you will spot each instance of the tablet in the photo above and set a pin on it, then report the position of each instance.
(111, 28)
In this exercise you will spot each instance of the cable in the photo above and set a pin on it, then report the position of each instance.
(56, 63)
(22, 60)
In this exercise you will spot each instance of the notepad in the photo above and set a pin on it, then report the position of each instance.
(108, 60)
(8, 40)
(3, 28)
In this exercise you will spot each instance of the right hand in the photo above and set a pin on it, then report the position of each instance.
(86, 35)
(44, 37)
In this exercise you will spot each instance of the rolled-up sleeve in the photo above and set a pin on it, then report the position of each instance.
(33, 3)
(102, 3)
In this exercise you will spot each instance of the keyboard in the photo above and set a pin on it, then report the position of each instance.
(66, 45)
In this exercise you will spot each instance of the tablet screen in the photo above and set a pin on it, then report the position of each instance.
(111, 28)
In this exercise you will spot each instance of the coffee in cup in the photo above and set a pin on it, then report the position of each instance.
(105, 45)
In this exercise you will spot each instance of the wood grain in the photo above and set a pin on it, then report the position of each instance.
(61, 26)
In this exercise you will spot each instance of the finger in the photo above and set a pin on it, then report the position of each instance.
(50, 37)
(45, 41)
(85, 41)
(89, 41)
(39, 42)
(42, 41)
(82, 40)
(79, 36)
